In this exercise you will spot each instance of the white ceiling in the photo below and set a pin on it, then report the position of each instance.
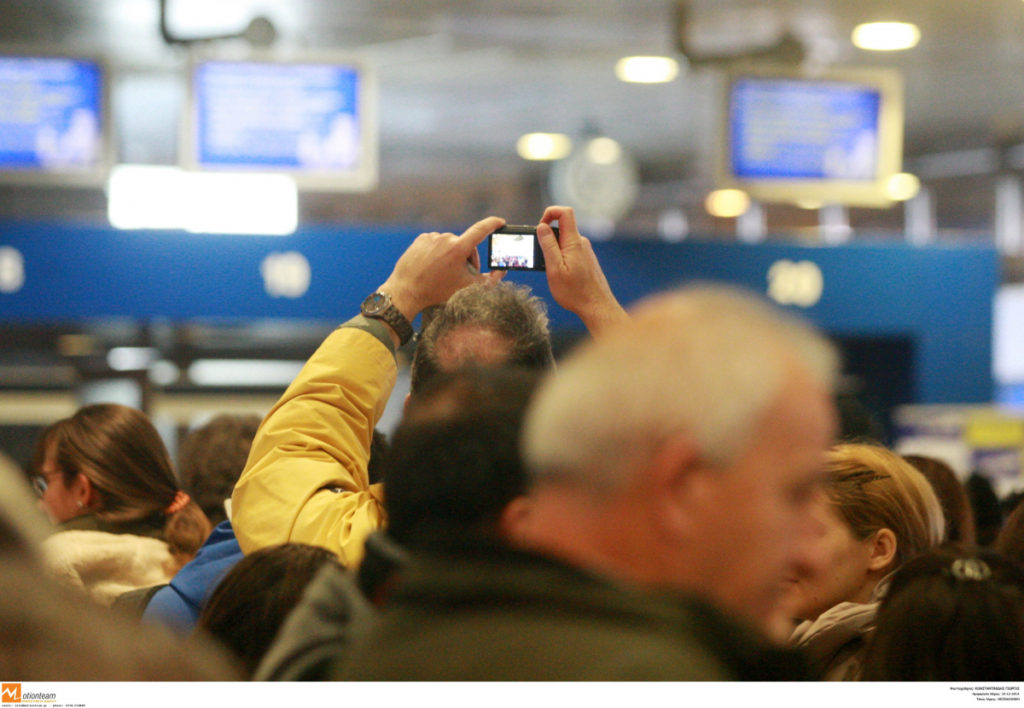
(461, 80)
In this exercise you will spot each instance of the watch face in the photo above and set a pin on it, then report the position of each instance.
(375, 303)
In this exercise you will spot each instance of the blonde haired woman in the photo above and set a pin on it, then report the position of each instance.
(876, 512)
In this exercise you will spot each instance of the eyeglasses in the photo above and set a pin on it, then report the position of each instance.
(40, 482)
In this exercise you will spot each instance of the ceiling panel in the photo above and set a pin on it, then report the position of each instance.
(461, 80)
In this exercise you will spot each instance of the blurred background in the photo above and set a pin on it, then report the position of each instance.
(429, 115)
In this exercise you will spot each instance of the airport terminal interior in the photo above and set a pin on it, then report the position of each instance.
(870, 182)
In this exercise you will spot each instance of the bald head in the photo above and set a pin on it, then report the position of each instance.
(483, 324)
(682, 449)
(703, 360)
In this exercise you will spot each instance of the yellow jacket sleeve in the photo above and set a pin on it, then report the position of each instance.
(306, 477)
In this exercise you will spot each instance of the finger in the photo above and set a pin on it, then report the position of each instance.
(495, 275)
(475, 234)
(549, 245)
(474, 262)
(566, 223)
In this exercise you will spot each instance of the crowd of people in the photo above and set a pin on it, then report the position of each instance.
(676, 500)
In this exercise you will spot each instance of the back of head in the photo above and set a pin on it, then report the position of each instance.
(956, 508)
(454, 461)
(121, 453)
(874, 488)
(211, 459)
(1010, 541)
(705, 361)
(486, 323)
(249, 605)
(856, 421)
(988, 514)
(952, 614)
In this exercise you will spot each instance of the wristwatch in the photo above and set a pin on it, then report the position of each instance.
(379, 306)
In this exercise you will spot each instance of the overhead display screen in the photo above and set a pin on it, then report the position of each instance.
(312, 120)
(802, 130)
(51, 115)
(835, 138)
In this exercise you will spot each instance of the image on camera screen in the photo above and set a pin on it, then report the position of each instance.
(512, 251)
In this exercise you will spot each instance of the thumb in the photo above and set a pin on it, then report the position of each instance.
(495, 275)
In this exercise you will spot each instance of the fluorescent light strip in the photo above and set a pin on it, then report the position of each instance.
(156, 197)
(886, 36)
(544, 146)
(243, 372)
(647, 70)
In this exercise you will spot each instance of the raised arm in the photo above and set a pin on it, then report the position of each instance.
(575, 278)
(306, 478)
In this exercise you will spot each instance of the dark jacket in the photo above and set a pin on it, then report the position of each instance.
(337, 606)
(488, 613)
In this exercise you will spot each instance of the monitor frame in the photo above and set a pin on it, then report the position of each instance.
(86, 177)
(888, 149)
(362, 177)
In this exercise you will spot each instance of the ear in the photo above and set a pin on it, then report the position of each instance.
(514, 518)
(676, 486)
(883, 550)
(84, 493)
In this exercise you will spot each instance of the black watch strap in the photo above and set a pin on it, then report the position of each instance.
(378, 305)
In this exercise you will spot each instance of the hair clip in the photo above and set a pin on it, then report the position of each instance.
(863, 477)
(970, 569)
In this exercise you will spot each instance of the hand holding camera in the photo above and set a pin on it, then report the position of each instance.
(436, 265)
(575, 278)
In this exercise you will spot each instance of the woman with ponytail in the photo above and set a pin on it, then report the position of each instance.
(106, 480)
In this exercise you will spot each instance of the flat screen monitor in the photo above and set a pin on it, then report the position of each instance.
(53, 118)
(313, 120)
(833, 138)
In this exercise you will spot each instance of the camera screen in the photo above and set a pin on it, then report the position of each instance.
(512, 251)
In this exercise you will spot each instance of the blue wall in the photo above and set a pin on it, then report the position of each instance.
(939, 297)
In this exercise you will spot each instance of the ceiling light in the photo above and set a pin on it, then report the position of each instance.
(646, 70)
(903, 186)
(886, 36)
(243, 372)
(163, 197)
(164, 373)
(226, 203)
(810, 204)
(144, 197)
(543, 146)
(673, 226)
(130, 358)
(603, 151)
(727, 203)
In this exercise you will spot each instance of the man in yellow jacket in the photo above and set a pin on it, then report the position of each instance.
(306, 478)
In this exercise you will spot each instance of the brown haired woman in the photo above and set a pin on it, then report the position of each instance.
(105, 479)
